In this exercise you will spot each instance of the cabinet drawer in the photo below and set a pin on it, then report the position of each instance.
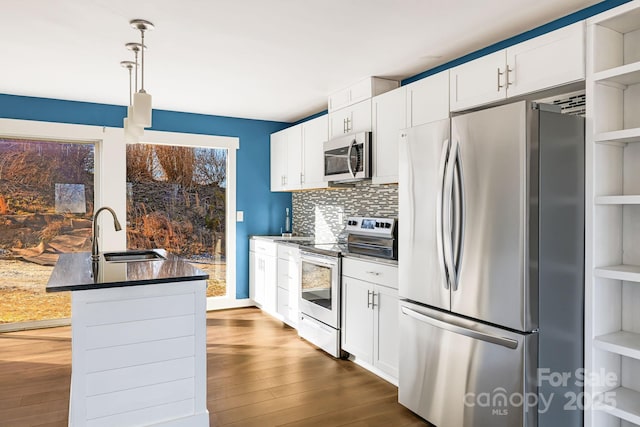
(263, 247)
(288, 251)
(381, 274)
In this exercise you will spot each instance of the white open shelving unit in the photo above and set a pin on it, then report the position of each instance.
(612, 344)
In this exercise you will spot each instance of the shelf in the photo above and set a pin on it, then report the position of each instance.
(625, 404)
(622, 342)
(630, 273)
(618, 200)
(625, 75)
(621, 136)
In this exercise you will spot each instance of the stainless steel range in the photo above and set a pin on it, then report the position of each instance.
(321, 277)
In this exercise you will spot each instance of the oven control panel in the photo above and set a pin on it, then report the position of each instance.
(371, 225)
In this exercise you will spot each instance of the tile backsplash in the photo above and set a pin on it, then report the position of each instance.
(323, 213)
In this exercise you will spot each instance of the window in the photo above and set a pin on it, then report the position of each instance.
(46, 203)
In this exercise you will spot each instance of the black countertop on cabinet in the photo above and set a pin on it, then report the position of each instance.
(76, 272)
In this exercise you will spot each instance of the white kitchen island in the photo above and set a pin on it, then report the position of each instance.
(138, 341)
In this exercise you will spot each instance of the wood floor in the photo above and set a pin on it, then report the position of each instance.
(259, 374)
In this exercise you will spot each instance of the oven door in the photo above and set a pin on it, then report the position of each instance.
(348, 158)
(320, 288)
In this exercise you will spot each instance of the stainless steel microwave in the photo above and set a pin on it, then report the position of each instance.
(348, 158)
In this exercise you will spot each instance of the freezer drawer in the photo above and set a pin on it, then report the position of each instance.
(455, 372)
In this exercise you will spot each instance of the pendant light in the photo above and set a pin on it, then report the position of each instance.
(131, 131)
(141, 99)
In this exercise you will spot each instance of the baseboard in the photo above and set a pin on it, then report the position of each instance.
(224, 303)
(374, 370)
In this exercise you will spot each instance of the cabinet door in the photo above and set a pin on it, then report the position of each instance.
(294, 287)
(357, 318)
(360, 117)
(278, 160)
(294, 158)
(270, 283)
(428, 99)
(550, 60)
(389, 117)
(338, 122)
(314, 133)
(386, 330)
(256, 277)
(478, 82)
(351, 119)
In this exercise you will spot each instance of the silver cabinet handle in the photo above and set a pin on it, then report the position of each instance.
(375, 273)
(369, 298)
(507, 76)
(301, 178)
(348, 124)
(499, 74)
(344, 125)
(494, 339)
(373, 300)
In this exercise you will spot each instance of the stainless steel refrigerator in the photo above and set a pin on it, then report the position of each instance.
(491, 253)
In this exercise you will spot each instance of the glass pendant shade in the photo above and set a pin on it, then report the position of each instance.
(129, 137)
(132, 132)
(142, 109)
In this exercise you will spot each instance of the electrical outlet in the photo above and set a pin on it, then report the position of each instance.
(239, 216)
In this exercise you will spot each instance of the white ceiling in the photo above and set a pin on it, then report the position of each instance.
(261, 59)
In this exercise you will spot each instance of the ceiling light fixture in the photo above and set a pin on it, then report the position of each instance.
(141, 99)
(131, 130)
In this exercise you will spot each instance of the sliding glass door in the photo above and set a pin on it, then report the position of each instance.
(177, 200)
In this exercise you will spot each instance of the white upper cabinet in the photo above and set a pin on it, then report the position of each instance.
(420, 102)
(286, 152)
(364, 89)
(296, 156)
(478, 82)
(428, 99)
(351, 119)
(314, 133)
(278, 160)
(389, 116)
(547, 61)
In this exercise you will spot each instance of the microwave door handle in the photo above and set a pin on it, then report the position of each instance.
(353, 143)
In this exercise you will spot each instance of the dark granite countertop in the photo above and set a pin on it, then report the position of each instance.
(76, 272)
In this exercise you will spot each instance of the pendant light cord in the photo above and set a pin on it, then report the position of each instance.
(142, 67)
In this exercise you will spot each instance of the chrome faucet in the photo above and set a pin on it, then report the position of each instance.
(95, 231)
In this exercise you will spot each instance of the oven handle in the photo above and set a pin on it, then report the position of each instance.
(325, 260)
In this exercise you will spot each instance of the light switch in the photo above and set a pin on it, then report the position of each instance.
(239, 216)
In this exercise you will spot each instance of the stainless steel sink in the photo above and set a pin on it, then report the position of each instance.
(132, 256)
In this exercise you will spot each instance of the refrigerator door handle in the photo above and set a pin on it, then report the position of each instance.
(494, 339)
(458, 215)
(447, 207)
(439, 208)
(404, 141)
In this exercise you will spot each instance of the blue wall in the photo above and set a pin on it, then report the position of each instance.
(263, 210)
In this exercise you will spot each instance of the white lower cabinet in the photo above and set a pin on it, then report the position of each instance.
(288, 284)
(370, 316)
(263, 265)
